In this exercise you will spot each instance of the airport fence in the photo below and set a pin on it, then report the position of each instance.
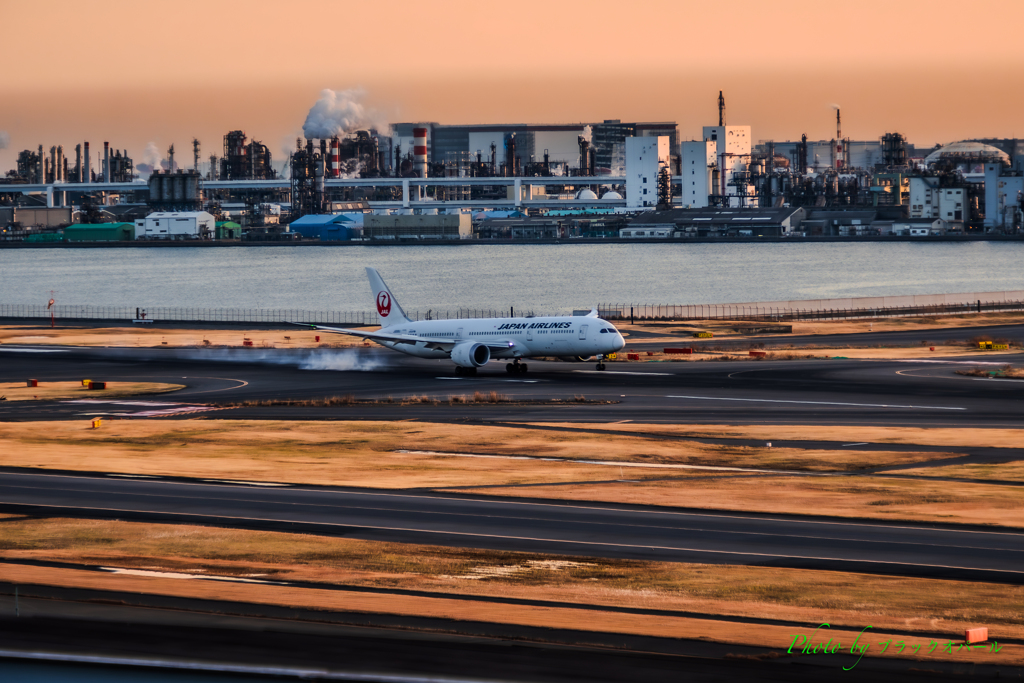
(230, 315)
(823, 309)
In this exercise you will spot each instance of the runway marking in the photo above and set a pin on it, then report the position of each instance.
(225, 379)
(134, 476)
(615, 463)
(287, 672)
(815, 403)
(862, 443)
(523, 381)
(624, 372)
(179, 575)
(504, 537)
(245, 483)
(528, 503)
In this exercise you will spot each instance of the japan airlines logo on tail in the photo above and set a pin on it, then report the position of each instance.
(384, 304)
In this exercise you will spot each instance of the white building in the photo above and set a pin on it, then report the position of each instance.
(696, 162)
(176, 225)
(645, 158)
(1003, 197)
(732, 154)
(928, 200)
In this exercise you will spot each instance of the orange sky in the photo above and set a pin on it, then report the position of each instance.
(133, 72)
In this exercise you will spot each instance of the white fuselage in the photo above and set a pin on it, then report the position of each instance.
(582, 336)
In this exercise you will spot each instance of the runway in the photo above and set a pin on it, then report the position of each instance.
(920, 393)
(561, 528)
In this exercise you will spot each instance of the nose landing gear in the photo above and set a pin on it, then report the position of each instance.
(515, 367)
(600, 362)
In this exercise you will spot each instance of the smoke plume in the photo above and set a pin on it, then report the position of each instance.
(5, 139)
(150, 160)
(588, 133)
(338, 113)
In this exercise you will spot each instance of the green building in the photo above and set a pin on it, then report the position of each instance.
(228, 230)
(100, 232)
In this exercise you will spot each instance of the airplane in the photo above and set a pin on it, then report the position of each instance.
(473, 342)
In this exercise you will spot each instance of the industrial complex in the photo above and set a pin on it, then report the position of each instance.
(608, 179)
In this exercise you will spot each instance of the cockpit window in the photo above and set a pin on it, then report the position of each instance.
(603, 330)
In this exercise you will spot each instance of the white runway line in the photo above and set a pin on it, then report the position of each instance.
(862, 443)
(244, 483)
(623, 372)
(815, 403)
(615, 463)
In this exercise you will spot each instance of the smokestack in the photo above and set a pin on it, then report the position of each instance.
(52, 175)
(78, 162)
(335, 170)
(106, 162)
(60, 164)
(721, 108)
(87, 169)
(839, 141)
(419, 151)
(41, 171)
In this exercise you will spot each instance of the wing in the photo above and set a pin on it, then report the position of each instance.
(445, 345)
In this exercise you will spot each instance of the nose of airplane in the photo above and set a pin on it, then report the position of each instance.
(619, 342)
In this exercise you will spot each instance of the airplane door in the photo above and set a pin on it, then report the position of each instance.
(458, 334)
(529, 334)
(583, 331)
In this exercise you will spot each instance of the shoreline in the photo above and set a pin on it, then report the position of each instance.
(463, 242)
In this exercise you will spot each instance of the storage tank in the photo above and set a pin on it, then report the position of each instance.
(155, 194)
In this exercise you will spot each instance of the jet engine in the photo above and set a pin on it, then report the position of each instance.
(471, 354)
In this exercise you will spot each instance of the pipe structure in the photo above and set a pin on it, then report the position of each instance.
(87, 169)
(78, 162)
(41, 170)
(106, 162)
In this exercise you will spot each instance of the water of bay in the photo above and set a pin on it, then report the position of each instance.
(542, 278)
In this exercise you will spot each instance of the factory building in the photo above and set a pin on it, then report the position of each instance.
(648, 162)
(506, 148)
(1004, 198)
(418, 227)
(930, 198)
(326, 228)
(30, 217)
(716, 222)
(176, 225)
(100, 232)
(696, 164)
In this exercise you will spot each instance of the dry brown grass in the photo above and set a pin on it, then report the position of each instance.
(363, 453)
(842, 599)
(52, 391)
(1005, 372)
(156, 336)
(931, 436)
(678, 331)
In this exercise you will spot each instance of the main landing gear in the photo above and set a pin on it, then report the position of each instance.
(516, 367)
(459, 370)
